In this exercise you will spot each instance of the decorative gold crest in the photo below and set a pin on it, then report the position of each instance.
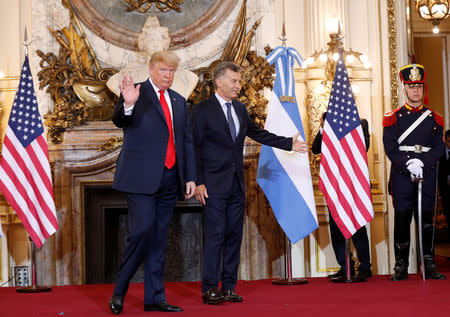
(162, 5)
(414, 74)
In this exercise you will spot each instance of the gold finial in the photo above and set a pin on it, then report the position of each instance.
(283, 37)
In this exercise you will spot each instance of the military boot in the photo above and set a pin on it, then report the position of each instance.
(428, 250)
(401, 261)
(431, 270)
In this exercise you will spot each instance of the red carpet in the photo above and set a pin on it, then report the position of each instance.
(319, 297)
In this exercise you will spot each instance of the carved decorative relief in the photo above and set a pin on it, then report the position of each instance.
(316, 103)
(145, 5)
(392, 27)
(75, 81)
(197, 20)
(256, 72)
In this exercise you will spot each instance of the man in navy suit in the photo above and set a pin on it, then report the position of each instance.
(219, 126)
(444, 179)
(156, 161)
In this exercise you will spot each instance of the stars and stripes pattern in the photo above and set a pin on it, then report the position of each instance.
(25, 178)
(344, 174)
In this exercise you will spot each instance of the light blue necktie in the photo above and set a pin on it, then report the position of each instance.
(231, 124)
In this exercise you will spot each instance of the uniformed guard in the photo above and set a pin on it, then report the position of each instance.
(412, 140)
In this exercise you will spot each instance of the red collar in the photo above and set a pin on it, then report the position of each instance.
(416, 109)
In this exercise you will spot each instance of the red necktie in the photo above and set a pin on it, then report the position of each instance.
(170, 155)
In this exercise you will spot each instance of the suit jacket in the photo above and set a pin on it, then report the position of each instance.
(316, 146)
(444, 172)
(140, 164)
(217, 156)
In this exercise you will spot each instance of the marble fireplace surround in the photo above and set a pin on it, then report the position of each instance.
(77, 164)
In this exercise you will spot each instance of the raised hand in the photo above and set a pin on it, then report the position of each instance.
(298, 145)
(129, 92)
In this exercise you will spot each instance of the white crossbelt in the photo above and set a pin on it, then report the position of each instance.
(413, 126)
(414, 148)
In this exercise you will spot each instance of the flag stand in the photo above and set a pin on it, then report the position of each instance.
(33, 288)
(288, 280)
(348, 278)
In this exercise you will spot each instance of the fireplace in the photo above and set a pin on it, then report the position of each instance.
(106, 231)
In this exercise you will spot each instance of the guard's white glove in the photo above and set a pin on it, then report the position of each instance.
(415, 167)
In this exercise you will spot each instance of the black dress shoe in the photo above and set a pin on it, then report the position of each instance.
(338, 274)
(213, 296)
(164, 307)
(365, 274)
(116, 303)
(231, 296)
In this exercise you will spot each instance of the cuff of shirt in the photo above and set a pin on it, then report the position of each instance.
(128, 111)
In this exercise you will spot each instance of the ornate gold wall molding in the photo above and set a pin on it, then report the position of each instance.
(145, 5)
(392, 28)
(75, 81)
(256, 72)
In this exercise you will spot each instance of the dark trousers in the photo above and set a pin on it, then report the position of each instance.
(223, 224)
(402, 236)
(360, 241)
(148, 222)
(404, 197)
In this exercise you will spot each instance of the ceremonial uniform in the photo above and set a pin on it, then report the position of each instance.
(413, 133)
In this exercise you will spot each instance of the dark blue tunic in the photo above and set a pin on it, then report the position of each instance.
(428, 134)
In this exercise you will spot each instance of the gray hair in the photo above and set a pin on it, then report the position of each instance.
(222, 68)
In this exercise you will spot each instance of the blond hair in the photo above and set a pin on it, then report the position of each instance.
(165, 56)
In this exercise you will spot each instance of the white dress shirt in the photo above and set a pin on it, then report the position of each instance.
(233, 112)
(129, 111)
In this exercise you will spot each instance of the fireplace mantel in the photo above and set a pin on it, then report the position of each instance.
(77, 163)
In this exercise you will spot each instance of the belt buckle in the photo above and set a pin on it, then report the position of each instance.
(418, 148)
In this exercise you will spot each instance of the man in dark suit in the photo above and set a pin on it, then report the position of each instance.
(220, 125)
(360, 238)
(444, 179)
(156, 161)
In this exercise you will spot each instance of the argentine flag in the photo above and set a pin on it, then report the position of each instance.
(285, 177)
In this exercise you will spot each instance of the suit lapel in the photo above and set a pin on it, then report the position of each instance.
(240, 114)
(221, 115)
(150, 94)
(176, 113)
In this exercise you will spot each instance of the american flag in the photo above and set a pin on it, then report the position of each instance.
(344, 174)
(25, 178)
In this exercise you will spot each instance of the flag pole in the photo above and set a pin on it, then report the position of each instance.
(348, 278)
(288, 279)
(33, 288)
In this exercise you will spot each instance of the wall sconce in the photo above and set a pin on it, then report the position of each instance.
(319, 73)
(433, 10)
(330, 56)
